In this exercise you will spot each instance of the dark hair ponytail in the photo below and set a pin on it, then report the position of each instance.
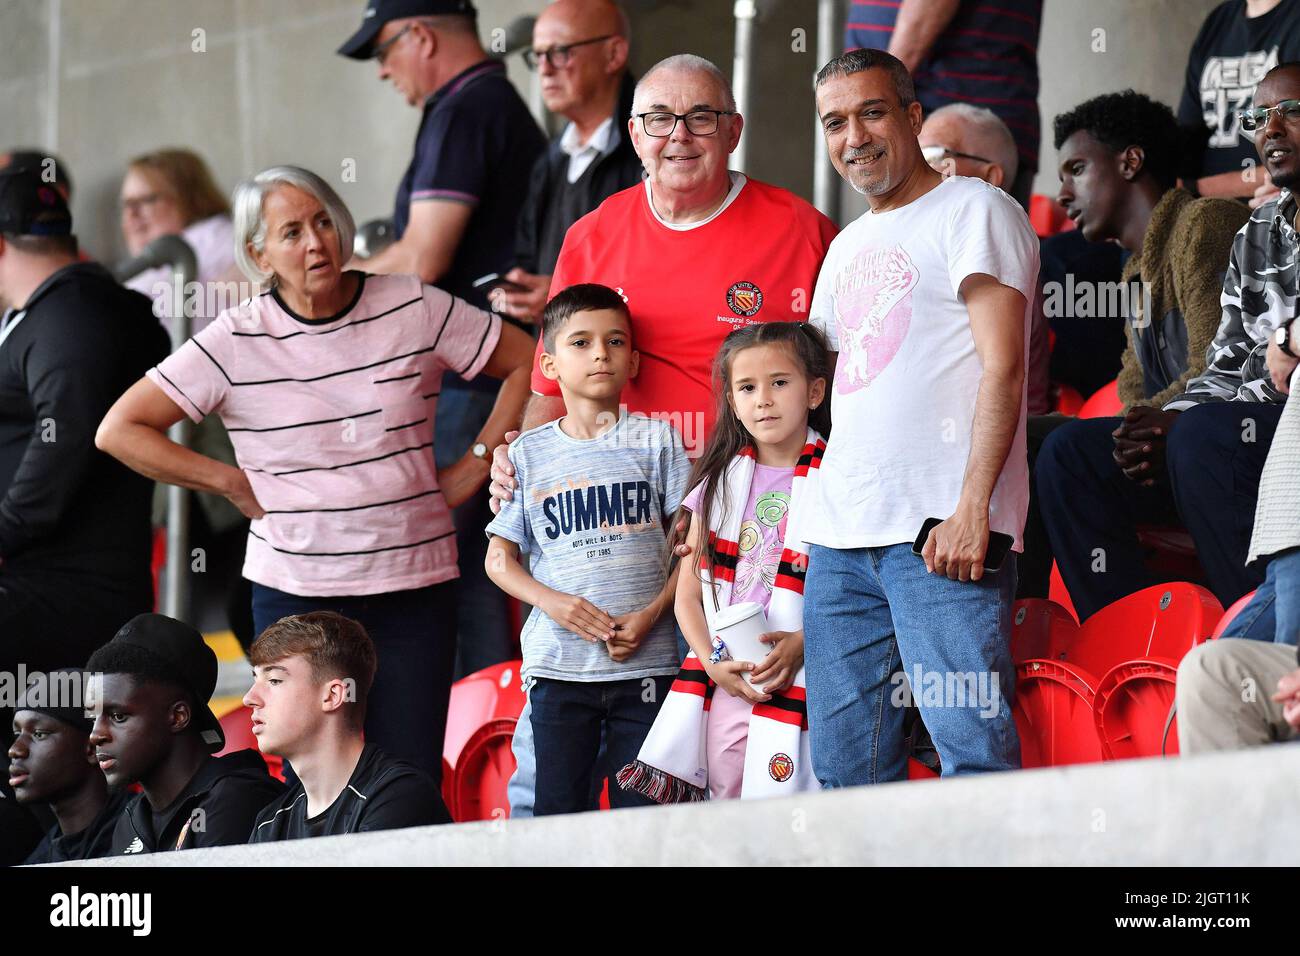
(728, 438)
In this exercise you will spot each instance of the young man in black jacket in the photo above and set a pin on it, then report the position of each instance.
(51, 761)
(150, 688)
(312, 674)
(74, 523)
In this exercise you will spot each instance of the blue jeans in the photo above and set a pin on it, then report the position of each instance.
(875, 615)
(483, 629)
(568, 718)
(1273, 614)
(521, 790)
(415, 643)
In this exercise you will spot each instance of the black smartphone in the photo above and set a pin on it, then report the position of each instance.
(994, 555)
(494, 280)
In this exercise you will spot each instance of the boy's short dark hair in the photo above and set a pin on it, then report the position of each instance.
(586, 297)
(142, 666)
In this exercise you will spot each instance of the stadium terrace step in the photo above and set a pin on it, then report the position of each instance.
(1235, 809)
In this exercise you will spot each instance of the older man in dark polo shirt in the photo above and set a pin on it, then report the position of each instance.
(456, 216)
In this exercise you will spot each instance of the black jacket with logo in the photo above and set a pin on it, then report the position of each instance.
(382, 794)
(229, 791)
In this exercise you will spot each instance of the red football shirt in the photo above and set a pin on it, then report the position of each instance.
(757, 261)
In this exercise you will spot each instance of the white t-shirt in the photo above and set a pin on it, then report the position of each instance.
(903, 400)
(738, 181)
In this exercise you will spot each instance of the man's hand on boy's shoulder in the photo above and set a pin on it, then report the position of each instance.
(502, 486)
(630, 632)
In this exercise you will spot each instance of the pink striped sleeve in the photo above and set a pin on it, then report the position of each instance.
(466, 337)
(196, 376)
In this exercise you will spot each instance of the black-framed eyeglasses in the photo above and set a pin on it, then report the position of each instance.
(558, 56)
(381, 49)
(698, 122)
(1252, 119)
(937, 154)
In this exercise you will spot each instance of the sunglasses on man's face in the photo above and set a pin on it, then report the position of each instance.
(1257, 117)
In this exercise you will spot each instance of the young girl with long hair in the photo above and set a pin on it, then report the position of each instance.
(747, 490)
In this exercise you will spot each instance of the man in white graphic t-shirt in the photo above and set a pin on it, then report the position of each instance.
(925, 300)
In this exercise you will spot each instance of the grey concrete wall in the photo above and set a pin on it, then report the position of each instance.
(1236, 809)
(1146, 43)
(102, 80)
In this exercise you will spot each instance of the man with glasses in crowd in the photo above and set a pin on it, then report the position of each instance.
(695, 251)
(925, 300)
(580, 50)
(455, 219)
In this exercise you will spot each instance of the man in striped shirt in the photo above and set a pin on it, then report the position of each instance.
(964, 51)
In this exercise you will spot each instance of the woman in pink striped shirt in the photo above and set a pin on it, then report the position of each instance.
(327, 383)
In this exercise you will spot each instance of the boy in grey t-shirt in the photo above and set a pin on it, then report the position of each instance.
(596, 490)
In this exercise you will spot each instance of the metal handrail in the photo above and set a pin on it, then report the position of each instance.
(175, 252)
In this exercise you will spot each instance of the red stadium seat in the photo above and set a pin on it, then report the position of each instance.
(238, 728)
(1047, 216)
(1065, 399)
(1229, 614)
(1103, 403)
(1053, 714)
(1136, 644)
(1058, 594)
(481, 775)
(1131, 706)
(1040, 629)
(919, 771)
(1164, 621)
(477, 699)
(158, 560)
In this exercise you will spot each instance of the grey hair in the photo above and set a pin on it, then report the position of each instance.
(250, 227)
(996, 141)
(858, 61)
(683, 63)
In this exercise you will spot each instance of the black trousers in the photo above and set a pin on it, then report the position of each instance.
(1215, 454)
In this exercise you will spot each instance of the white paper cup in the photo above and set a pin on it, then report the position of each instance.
(739, 627)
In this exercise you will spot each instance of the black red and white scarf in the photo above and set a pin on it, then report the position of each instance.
(672, 767)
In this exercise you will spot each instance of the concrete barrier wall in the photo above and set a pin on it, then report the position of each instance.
(1240, 809)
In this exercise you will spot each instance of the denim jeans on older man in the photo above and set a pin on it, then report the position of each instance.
(874, 616)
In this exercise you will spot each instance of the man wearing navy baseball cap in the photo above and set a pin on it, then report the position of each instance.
(361, 45)
(75, 540)
(150, 689)
(456, 218)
